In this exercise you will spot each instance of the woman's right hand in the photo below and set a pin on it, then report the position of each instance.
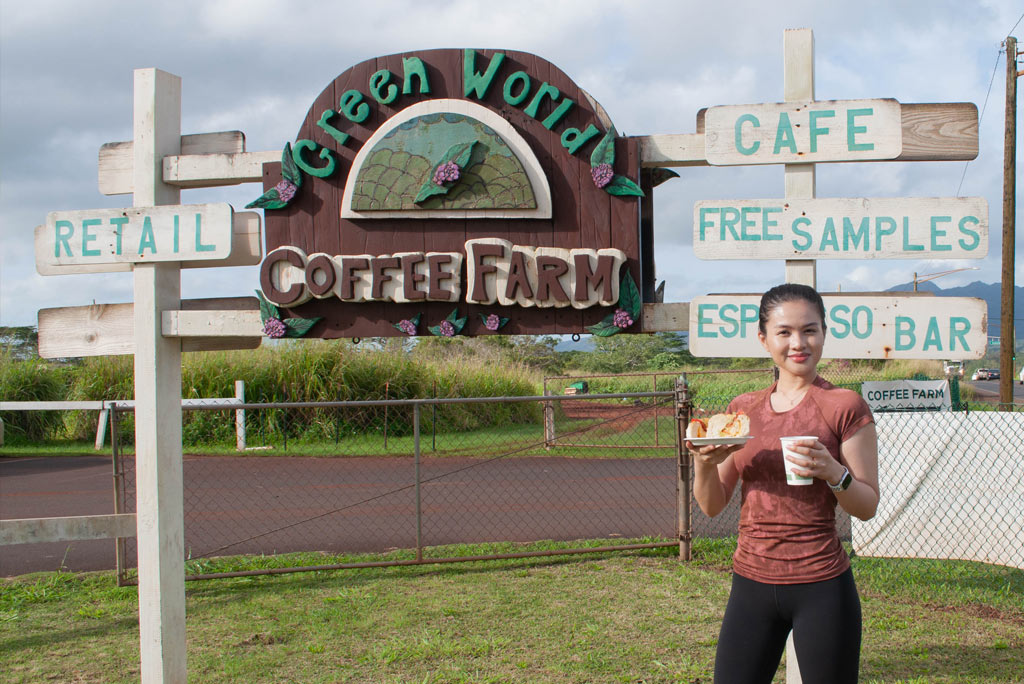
(712, 454)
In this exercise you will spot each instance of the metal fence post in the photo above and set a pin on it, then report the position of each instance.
(118, 467)
(416, 454)
(549, 422)
(683, 408)
(654, 388)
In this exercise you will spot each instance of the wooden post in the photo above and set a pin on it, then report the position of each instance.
(240, 416)
(798, 86)
(684, 494)
(101, 428)
(160, 528)
(1007, 339)
(549, 422)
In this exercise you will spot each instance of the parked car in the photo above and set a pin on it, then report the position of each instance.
(985, 374)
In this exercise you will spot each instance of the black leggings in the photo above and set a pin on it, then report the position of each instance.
(823, 616)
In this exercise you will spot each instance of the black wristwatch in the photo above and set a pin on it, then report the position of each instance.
(844, 481)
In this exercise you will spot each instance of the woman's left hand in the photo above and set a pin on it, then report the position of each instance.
(815, 461)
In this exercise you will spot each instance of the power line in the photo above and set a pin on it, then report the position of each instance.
(1015, 25)
(983, 108)
(985, 105)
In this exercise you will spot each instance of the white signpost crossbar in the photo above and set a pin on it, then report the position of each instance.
(842, 228)
(859, 327)
(200, 232)
(106, 329)
(117, 159)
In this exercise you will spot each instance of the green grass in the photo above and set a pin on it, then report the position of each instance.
(602, 617)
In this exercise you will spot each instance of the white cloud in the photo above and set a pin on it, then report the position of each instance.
(256, 66)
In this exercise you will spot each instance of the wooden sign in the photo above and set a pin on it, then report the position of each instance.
(481, 187)
(109, 329)
(246, 250)
(200, 232)
(803, 132)
(840, 228)
(859, 327)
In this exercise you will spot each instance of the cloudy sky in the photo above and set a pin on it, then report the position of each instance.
(256, 66)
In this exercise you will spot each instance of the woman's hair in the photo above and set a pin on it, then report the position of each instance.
(788, 292)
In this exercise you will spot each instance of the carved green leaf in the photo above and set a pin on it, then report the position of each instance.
(289, 170)
(621, 185)
(271, 199)
(458, 153)
(604, 153)
(267, 310)
(605, 328)
(297, 327)
(629, 296)
(660, 175)
(429, 189)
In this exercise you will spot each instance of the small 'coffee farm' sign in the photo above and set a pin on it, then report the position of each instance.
(483, 188)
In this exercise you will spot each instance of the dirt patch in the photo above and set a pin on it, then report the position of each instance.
(618, 416)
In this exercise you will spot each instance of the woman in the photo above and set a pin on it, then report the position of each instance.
(790, 571)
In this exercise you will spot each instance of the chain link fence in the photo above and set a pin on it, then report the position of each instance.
(421, 475)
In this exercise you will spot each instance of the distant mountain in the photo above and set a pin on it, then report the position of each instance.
(990, 292)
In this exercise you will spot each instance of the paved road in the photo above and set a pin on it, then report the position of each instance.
(277, 504)
(990, 388)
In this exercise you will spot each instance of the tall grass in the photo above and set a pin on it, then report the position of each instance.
(333, 370)
(32, 380)
(318, 371)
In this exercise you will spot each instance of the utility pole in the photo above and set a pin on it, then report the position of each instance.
(1007, 339)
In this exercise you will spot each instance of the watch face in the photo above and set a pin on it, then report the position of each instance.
(846, 481)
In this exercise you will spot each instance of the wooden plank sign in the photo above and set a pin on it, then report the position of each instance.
(109, 329)
(842, 228)
(803, 132)
(137, 235)
(859, 327)
(246, 250)
(117, 159)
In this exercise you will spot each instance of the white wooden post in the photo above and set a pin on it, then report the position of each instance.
(160, 517)
(240, 416)
(101, 428)
(798, 86)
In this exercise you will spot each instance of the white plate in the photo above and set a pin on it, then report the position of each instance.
(718, 441)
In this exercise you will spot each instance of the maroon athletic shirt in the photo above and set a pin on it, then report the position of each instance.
(787, 533)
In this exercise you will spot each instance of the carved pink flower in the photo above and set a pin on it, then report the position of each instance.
(274, 328)
(622, 319)
(447, 329)
(286, 190)
(407, 326)
(602, 174)
(493, 322)
(446, 173)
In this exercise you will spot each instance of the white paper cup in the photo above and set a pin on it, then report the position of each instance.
(791, 477)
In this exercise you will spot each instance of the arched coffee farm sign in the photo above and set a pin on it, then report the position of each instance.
(452, 191)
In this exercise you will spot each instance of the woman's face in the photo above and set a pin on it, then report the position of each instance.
(794, 336)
